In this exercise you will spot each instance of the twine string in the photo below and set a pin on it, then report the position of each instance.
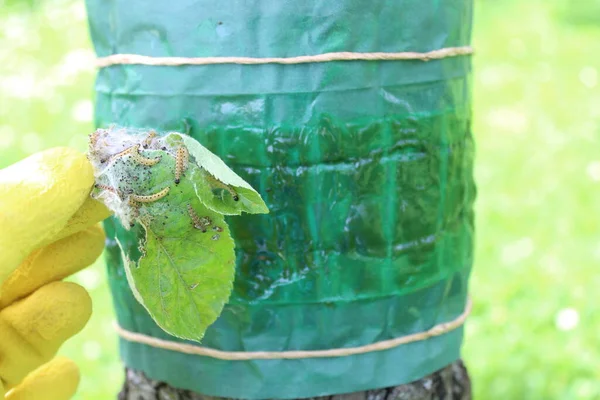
(121, 59)
(186, 348)
(437, 330)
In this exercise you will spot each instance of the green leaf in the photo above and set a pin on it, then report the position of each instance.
(221, 199)
(212, 178)
(182, 292)
(182, 267)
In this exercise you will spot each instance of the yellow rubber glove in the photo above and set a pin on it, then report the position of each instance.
(48, 230)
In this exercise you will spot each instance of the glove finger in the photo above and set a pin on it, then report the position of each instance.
(53, 263)
(90, 213)
(38, 195)
(32, 329)
(56, 380)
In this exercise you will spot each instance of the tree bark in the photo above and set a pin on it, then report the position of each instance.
(449, 383)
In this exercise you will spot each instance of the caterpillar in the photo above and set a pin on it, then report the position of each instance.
(216, 237)
(181, 162)
(108, 188)
(199, 223)
(222, 185)
(148, 141)
(135, 210)
(140, 159)
(217, 229)
(149, 198)
(93, 141)
(123, 153)
(134, 151)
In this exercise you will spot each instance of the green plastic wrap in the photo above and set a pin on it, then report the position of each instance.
(366, 167)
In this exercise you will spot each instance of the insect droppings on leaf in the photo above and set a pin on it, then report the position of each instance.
(165, 238)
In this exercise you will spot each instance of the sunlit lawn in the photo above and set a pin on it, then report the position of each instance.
(534, 330)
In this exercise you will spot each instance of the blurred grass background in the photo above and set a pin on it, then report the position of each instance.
(534, 330)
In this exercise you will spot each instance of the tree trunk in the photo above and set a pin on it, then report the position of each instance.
(450, 383)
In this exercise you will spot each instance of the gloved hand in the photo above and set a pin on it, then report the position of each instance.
(48, 230)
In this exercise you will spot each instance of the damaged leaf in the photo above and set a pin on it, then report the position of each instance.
(174, 192)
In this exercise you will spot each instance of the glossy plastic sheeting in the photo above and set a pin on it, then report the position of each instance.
(366, 167)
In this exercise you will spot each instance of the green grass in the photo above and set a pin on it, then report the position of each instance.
(46, 89)
(537, 123)
(533, 332)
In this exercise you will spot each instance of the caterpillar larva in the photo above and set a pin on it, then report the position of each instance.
(199, 223)
(134, 151)
(135, 210)
(148, 141)
(149, 198)
(108, 188)
(123, 152)
(219, 184)
(140, 159)
(181, 162)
